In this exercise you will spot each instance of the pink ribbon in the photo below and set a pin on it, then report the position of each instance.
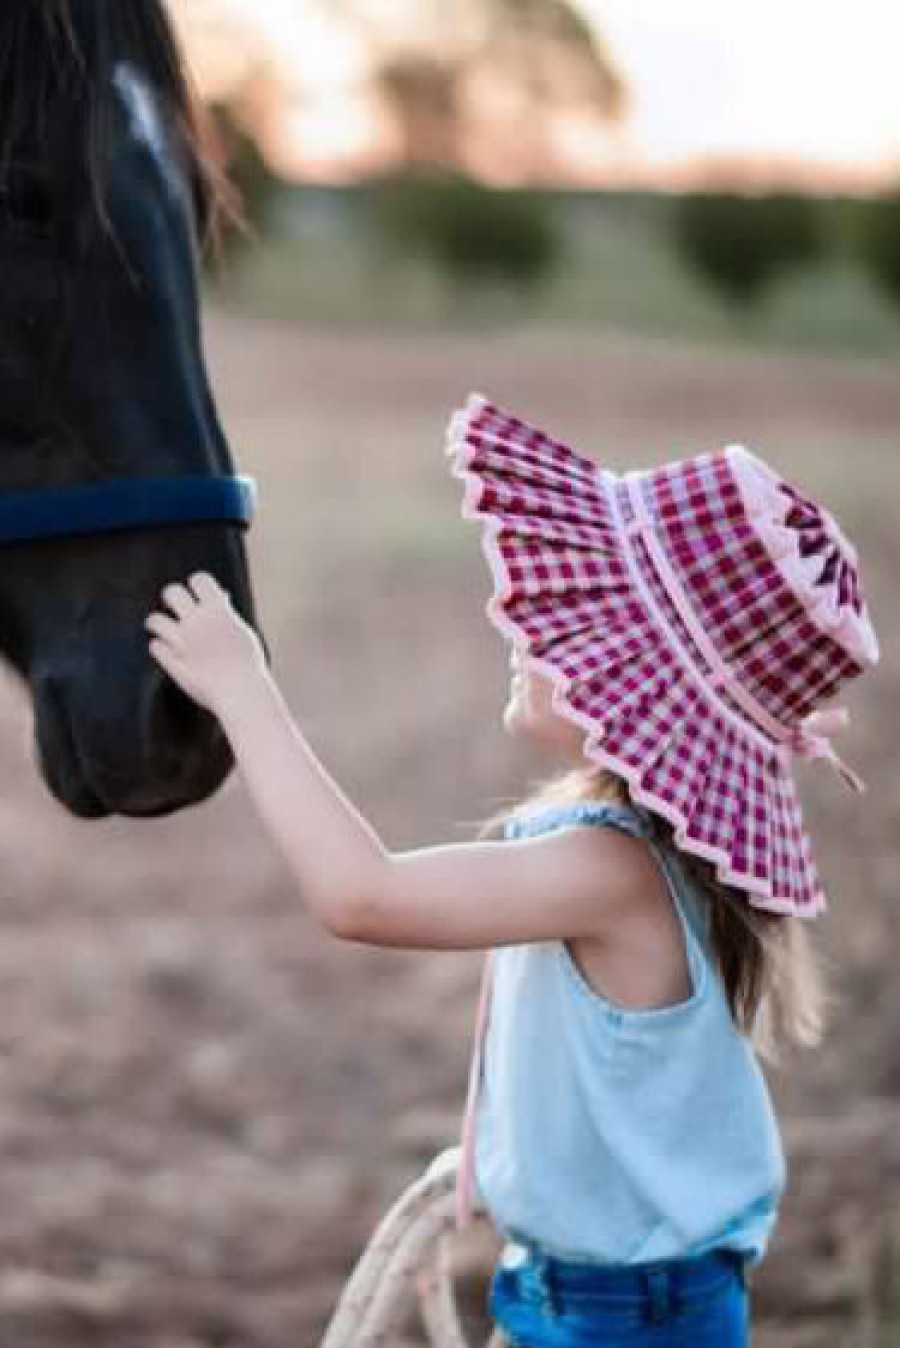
(811, 739)
(465, 1175)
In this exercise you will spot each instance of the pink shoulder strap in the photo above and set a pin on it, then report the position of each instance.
(465, 1179)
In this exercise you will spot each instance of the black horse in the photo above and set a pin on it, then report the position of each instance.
(109, 187)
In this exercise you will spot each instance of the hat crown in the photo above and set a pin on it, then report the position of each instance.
(768, 573)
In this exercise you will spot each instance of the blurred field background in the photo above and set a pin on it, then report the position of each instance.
(618, 271)
(208, 1103)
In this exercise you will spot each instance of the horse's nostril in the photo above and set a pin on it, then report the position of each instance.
(174, 718)
(181, 711)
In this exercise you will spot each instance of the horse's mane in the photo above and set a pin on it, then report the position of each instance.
(59, 56)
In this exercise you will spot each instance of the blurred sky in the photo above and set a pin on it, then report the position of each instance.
(786, 79)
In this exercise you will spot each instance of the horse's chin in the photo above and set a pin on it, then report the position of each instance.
(83, 793)
(83, 803)
(163, 810)
(94, 776)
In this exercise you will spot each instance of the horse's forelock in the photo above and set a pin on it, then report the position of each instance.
(67, 51)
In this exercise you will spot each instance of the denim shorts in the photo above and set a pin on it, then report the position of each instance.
(693, 1302)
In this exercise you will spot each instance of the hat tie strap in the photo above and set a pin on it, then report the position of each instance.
(465, 1175)
(811, 739)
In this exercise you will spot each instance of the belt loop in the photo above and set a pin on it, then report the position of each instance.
(741, 1262)
(659, 1294)
(543, 1277)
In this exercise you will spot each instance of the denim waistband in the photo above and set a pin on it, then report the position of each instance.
(690, 1273)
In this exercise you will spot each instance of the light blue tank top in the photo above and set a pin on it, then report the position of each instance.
(623, 1135)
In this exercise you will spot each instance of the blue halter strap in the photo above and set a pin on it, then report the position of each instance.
(121, 505)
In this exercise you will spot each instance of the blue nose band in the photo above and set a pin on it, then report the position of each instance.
(123, 505)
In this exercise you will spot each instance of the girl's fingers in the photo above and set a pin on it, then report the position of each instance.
(162, 655)
(179, 674)
(170, 661)
(178, 598)
(162, 626)
(205, 586)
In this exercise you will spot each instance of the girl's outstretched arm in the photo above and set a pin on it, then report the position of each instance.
(575, 882)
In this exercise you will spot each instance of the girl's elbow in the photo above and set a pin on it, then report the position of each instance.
(358, 906)
(359, 910)
(351, 920)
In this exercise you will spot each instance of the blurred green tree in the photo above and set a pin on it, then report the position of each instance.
(741, 244)
(470, 231)
(877, 233)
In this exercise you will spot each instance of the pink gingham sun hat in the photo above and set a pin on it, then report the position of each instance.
(692, 617)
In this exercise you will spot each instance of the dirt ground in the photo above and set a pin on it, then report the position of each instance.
(207, 1103)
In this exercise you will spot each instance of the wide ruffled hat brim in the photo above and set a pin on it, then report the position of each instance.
(564, 594)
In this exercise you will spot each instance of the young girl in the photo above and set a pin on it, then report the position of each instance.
(673, 632)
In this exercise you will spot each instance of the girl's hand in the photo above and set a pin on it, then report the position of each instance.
(206, 648)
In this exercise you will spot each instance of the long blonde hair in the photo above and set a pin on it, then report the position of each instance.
(774, 979)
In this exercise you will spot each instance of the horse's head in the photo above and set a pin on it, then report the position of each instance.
(105, 187)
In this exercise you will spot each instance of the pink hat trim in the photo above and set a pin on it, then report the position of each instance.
(767, 506)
